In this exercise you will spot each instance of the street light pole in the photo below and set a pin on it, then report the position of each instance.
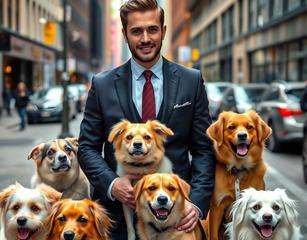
(65, 80)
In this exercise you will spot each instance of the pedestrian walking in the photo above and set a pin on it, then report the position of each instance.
(179, 101)
(7, 97)
(21, 102)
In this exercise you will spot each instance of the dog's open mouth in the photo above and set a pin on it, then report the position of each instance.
(61, 168)
(241, 150)
(137, 153)
(24, 233)
(266, 230)
(160, 213)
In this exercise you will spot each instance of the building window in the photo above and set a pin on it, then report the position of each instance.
(224, 27)
(231, 22)
(241, 18)
(9, 13)
(252, 14)
(17, 15)
(293, 4)
(1, 10)
(278, 8)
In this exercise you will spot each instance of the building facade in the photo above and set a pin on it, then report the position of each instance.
(250, 40)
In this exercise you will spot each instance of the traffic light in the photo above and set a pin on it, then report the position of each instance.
(5, 41)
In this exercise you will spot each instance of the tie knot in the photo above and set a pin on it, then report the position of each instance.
(148, 74)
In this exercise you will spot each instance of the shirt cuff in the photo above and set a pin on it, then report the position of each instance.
(200, 212)
(109, 194)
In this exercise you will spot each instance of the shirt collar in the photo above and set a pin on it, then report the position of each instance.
(137, 70)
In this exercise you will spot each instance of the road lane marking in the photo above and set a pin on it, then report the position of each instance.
(299, 192)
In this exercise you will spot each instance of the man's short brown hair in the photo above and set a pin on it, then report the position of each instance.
(139, 6)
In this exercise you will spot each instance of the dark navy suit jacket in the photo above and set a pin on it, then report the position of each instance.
(184, 110)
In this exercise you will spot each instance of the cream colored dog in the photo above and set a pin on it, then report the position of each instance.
(139, 149)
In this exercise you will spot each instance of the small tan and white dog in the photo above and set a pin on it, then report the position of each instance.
(264, 215)
(24, 210)
(139, 149)
(160, 206)
(57, 166)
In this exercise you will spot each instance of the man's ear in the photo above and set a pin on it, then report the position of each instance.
(164, 28)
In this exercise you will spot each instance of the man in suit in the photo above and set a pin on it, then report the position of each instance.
(178, 100)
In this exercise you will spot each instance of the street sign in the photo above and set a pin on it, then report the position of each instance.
(5, 41)
(49, 33)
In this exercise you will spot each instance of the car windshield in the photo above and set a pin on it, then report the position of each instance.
(295, 94)
(242, 95)
(48, 94)
(254, 94)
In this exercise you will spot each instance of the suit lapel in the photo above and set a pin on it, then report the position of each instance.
(123, 87)
(170, 88)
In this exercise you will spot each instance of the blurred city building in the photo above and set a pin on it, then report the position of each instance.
(250, 40)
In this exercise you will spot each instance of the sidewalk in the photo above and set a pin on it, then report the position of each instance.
(8, 122)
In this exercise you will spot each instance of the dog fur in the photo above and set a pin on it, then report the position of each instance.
(139, 149)
(239, 141)
(264, 215)
(57, 165)
(78, 220)
(24, 210)
(160, 206)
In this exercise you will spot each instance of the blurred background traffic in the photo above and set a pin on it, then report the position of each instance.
(252, 54)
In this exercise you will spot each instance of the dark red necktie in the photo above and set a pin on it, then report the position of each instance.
(148, 99)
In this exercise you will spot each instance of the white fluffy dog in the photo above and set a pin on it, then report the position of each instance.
(264, 215)
(23, 211)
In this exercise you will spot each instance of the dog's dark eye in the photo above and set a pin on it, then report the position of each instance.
(67, 149)
(276, 207)
(147, 137)
(249, 127)
(50, 153)
(152, 188)
(257, 207)
(62, 219)
(231, 127)
(129, 137)
(35, 208)
(171, 188)
(16, 207)
(82, 219)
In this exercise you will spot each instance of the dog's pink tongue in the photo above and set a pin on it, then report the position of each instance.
(242, 149)
(266, 230)
(23, 233)
(162, 212)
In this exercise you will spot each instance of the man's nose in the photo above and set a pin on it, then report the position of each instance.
(145, 36)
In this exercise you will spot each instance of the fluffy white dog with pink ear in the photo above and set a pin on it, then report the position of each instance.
(264, 215)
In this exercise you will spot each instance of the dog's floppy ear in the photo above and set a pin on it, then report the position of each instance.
(37, 153)
(74, 142)
(263, 130)
(102, 220)
(184, 187)
(51, 195)
(160, 129)
(238, 208)
(118, 129)
(50, 219)
(6, 194)
(289, 205)
(216, 130)
(139, 186)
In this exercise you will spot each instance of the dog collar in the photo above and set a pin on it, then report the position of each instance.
(137, 164)
(159, 230)
(236, 171)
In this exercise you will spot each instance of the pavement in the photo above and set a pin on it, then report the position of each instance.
(8, 122)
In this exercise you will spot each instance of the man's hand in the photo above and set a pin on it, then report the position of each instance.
(122, 190)
(190, 219)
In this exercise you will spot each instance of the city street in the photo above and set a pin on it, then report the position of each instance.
(284, 170)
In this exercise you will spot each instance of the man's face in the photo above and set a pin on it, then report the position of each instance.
(144, 36)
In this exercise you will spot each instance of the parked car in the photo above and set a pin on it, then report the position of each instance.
(215, 94)
(255, 91)
(304, 154)
(46, 105)
(280, 109)
(80, 94)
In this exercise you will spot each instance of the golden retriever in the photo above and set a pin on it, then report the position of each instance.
(78, 220)
(239, 141)
(139, 149)
(160, 205)
(57, 165)
(264, 215)
(24, 210)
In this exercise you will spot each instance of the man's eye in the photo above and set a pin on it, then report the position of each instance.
(153, 30)
(136, 31)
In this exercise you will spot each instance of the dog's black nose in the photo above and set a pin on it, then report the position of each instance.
(21, 221)
(162, 200)
(62, 158)
(267, 218)
(137, 145)
(69, 235)
(242, 136)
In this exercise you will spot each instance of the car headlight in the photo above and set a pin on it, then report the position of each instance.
(32, 107)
